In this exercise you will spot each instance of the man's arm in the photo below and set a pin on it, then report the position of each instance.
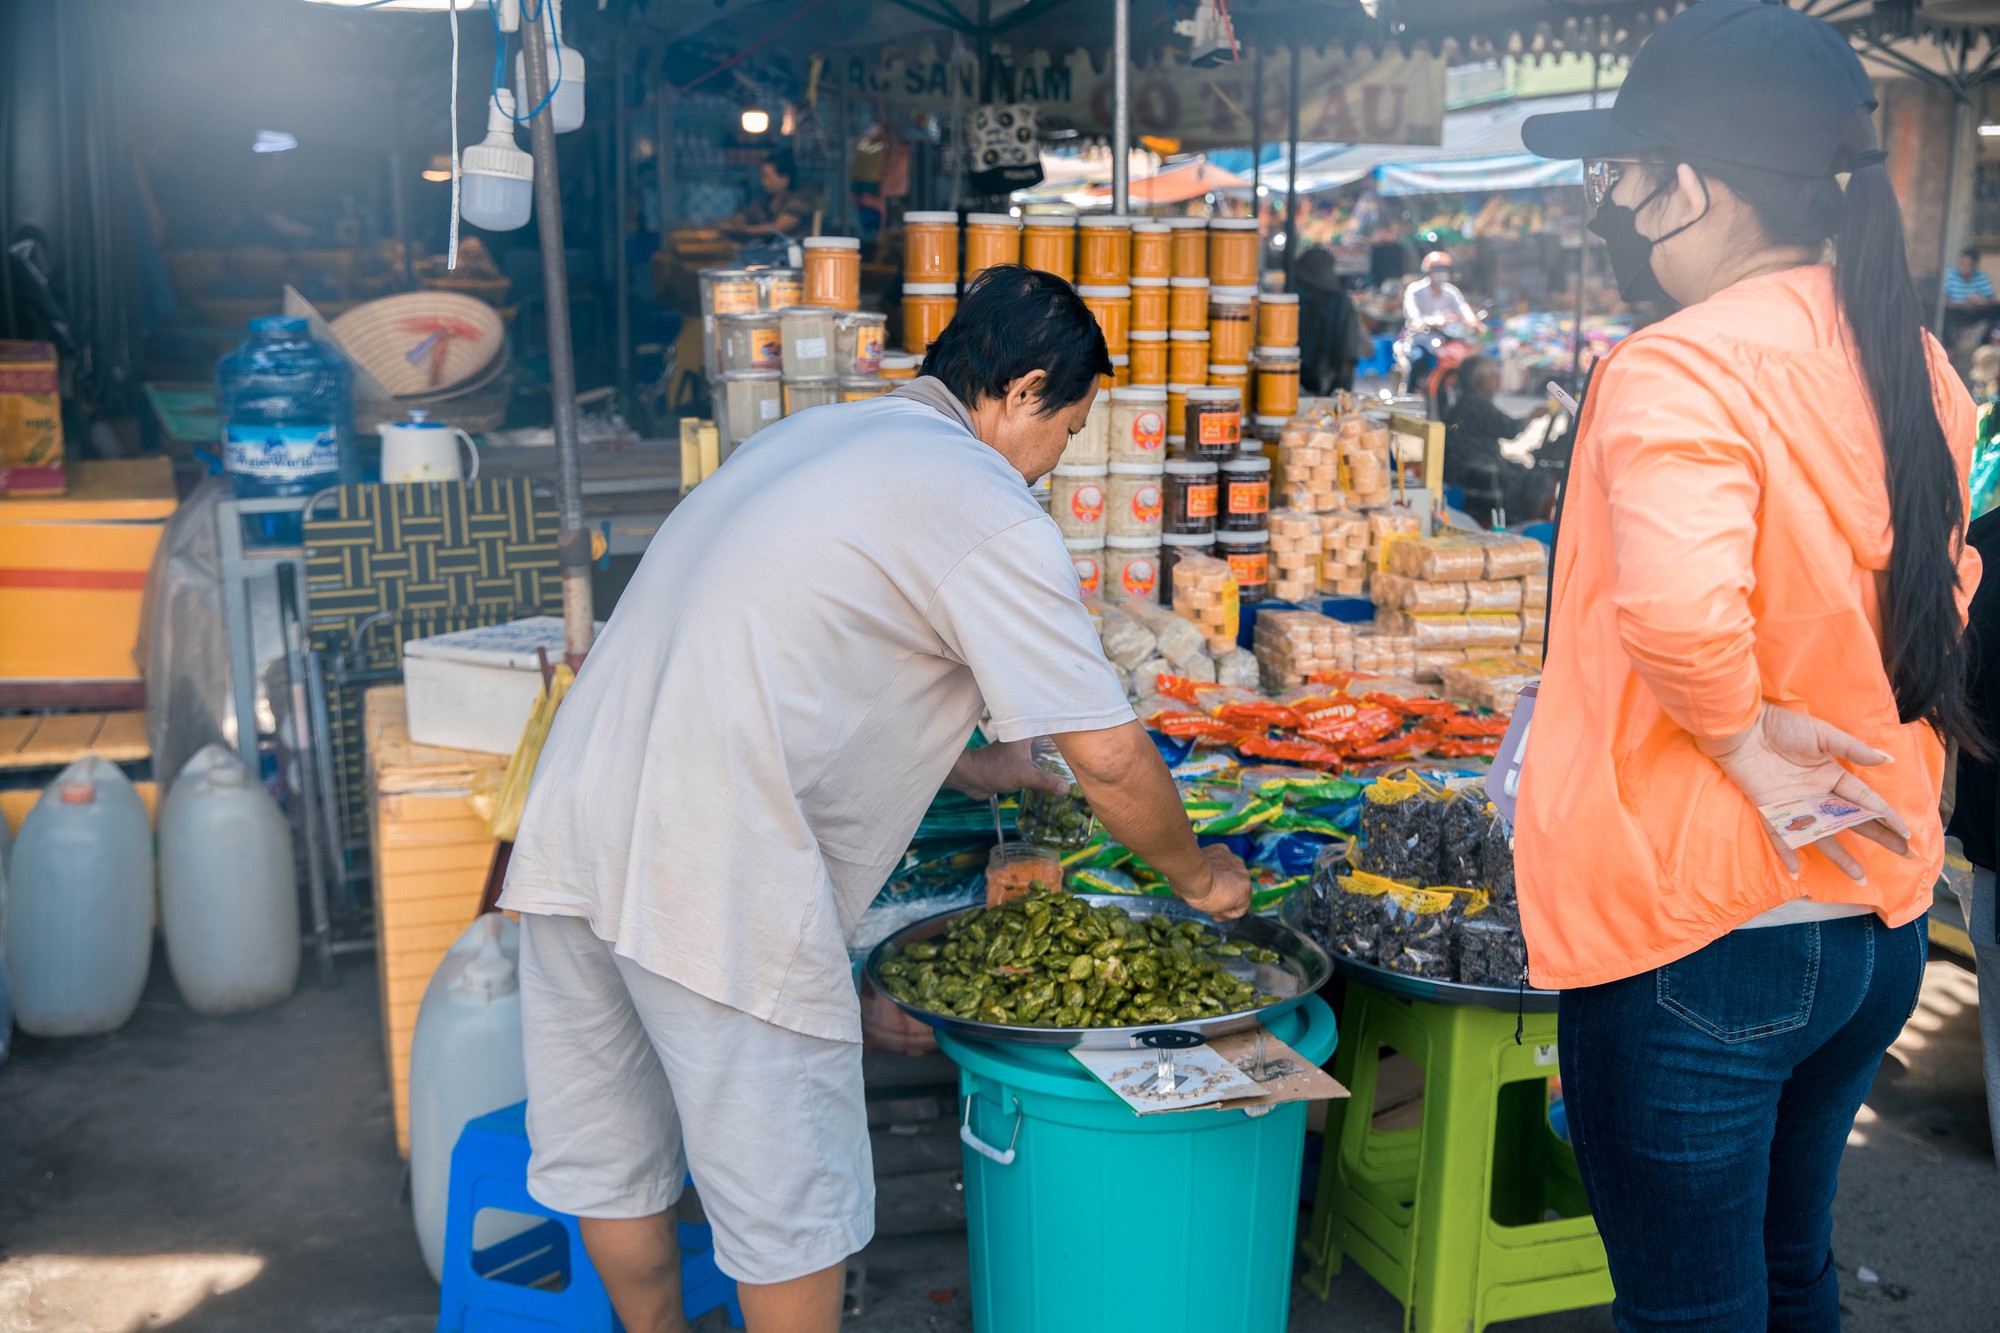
(1134, 797)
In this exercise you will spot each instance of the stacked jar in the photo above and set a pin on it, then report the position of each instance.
(927, 308)
(1077, 498)
(930, 247)
(1137, 426)
(1048, 243)
(724, 291)
(1112, 307)
(1132, 568)
(1277, 380)
(832, 272)
(810, 338)
(1147, 356)
(1187, 247)
(900, 367)
(1150, 304)
(1212, 423)
(1187, 356)
(1104, 250)
(1232, 252)
(1086, 555)
(1278, 319)
(1135, 497)
(1152, 250)
(779, 287)
(1176, 547)
(990, 239)
(857, 347)
(1231, 323)
(1090, 447)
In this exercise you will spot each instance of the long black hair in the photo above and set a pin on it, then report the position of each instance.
(1922, 632)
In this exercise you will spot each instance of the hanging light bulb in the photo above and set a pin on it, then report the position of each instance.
(565, 108)
(755, 121)
(497, 188)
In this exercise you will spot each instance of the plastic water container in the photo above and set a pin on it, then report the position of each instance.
(287, 408)
(80, 905)
(229, 898)
(1181, 1223)
(6, 989)
(465, 1061)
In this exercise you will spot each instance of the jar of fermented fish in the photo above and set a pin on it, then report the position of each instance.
(927, 308)
(1232, 251)
(930, 247)
(833, 272)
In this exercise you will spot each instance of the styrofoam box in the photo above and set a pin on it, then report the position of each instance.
(474, 689)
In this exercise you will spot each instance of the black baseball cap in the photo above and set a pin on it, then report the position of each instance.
(1734, 83)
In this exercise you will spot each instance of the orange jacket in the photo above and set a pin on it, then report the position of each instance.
(1723, 543)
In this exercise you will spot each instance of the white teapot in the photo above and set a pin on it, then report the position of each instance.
(422, 450)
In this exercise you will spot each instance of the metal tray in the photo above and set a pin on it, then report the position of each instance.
(1301, 969)
(1509, 998)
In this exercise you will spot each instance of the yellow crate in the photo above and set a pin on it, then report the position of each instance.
(430, 853)
(73, 571)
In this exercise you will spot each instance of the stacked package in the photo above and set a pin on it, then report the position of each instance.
(1379, 652)
(1309, 455)
(1205, 594)
(1292, 646)
(1494, 681)
(1460, 595)
(1146, 641)
(1295, 554)
(1364, 457)
(1343, 554)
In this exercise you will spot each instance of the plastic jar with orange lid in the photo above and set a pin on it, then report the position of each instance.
(1187, 248)
(1152, 250)
(1232, 251)
(1048, 242)
(990, 238)
(1113, 308)
(930, 247)
(833, 272)
(1277, 381)
(1103, 251)
(1148, 355)
(1177, 405)
(1234, 377)
(1150, 303)
(1187, 356)
(1231, 320)
(1278, 319)
(900, 367)
(1187, 303)
(927, 308)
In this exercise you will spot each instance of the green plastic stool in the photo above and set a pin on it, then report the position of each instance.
(1478, 1214)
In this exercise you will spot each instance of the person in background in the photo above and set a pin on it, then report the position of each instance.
(1432, 299)
(1474, 426)
(784, 208)
(793, 671)
(1331, 340)
(1975, 816)
(1968, 298)
(1759, 596)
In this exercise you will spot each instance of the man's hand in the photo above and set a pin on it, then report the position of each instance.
(1226, 894)
(994, 769)
(1784, 755)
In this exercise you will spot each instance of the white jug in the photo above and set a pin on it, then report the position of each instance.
(423, 450)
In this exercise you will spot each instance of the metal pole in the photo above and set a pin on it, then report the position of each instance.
(1583, 250)
(621, 187)
(1257, 132)
(663, 164)
(1961, 112)
(1121, 105)
(572, 542)
(1292, 172)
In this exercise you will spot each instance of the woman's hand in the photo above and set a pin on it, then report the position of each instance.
(993, 770)
(1785, 755)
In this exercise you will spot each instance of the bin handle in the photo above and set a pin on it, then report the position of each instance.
(981, 1146)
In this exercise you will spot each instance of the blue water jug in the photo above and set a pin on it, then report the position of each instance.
(287, 406)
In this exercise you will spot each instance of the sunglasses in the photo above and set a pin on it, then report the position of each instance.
(1601, 177)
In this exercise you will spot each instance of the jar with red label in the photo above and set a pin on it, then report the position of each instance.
(1212, 423)
(1135, 500)
(1132, 568)
(1174, 547)
(1138, 431)
(1193, 492)
(1249, 557)
(1246, 493)
(1087, 554)
(1076, 500)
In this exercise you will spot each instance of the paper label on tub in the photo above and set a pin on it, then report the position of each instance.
(767, 409)
(280, 453)
(811, 349)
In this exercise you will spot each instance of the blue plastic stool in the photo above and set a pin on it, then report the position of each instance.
(1381, 359)
(540, 1279)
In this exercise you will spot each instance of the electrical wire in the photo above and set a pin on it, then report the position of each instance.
(500, 54)
(451, 246)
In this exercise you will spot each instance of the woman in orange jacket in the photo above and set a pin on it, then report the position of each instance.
(1759, 587)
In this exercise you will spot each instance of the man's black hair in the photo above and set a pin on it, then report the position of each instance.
(1014, 320)
(1475, 367)
(1970, 252)
(782, 162)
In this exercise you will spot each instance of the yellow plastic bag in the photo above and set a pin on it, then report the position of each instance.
(500, 803)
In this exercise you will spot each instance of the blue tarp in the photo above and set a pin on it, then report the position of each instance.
(1509, 171)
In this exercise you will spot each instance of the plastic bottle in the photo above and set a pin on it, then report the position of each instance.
(465, 1060)
(229, 901)
(286, 402)
(80, 905)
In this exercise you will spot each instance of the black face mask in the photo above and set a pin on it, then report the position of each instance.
(1632, 253)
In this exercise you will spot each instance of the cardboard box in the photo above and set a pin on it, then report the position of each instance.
(31, 430)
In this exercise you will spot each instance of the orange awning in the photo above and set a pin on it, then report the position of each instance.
(1177, 185)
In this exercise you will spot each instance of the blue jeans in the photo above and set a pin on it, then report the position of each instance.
(1709, 1102)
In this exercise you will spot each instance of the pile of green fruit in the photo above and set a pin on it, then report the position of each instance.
(1055, 961)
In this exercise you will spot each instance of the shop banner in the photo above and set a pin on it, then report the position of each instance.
(1358, 98)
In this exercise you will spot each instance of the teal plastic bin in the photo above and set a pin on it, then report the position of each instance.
(1104, 1219)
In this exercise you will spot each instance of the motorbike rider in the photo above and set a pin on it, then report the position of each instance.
(1430, 304)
